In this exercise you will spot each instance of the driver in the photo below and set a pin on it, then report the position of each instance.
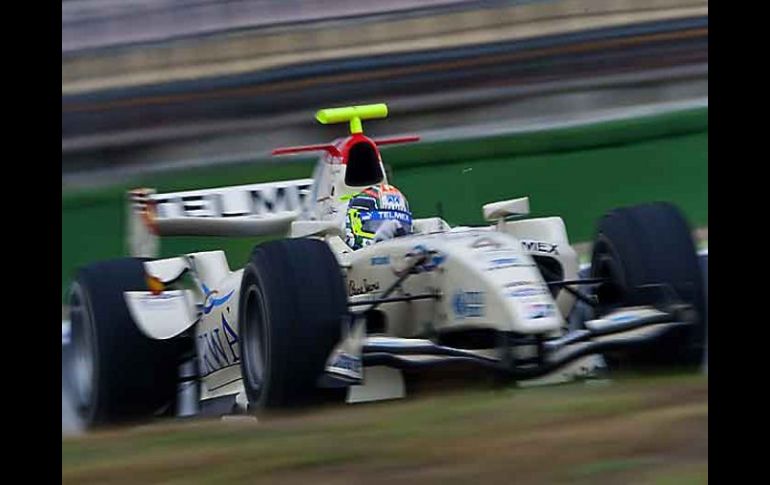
(376, 214)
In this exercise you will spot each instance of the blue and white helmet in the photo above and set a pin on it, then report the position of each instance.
(370, 208)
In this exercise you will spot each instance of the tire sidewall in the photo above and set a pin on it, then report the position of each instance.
(90, 414)
(133, 375)
(302, 291)
(252, 282)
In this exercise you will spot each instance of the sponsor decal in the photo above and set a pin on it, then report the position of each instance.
(393, 201)
(266, 199)
(525, 292)
(623, 318)
(505, 262)
(212, 301)
(386, 215)
(431, 263)
(379, 260)
(514, 284)
(362, 288)
(217, 348)
(540, 310)
(161, 300)
(160, 297)
(346, 365)
(468, 304)
(540, 247)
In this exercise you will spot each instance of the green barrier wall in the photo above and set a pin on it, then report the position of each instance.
(578, 173)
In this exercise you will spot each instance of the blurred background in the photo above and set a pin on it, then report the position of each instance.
(583, 105)
(558, 100)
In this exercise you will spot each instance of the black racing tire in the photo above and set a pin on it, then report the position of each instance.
(117, 373)
(292, 303)
(651, 244)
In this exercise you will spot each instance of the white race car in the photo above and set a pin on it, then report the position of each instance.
(309, 318)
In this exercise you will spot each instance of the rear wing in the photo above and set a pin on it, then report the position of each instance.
(244, 210)
(352, 115)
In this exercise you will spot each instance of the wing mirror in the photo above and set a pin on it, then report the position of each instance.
(495, 211)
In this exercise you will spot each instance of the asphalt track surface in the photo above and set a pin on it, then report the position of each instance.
(69, 420)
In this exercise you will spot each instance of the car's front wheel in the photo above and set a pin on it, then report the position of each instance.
(291, 307)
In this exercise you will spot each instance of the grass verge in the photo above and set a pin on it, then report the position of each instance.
(636, 430)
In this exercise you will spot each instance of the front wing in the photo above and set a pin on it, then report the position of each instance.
(520, 357)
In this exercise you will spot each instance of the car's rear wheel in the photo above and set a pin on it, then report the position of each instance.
(116, 373)
(646, 254)
(292, 303)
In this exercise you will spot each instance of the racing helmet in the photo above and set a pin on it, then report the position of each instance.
(370, 208)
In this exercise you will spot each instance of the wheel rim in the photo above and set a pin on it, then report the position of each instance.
(83, 369)
(254, 342)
